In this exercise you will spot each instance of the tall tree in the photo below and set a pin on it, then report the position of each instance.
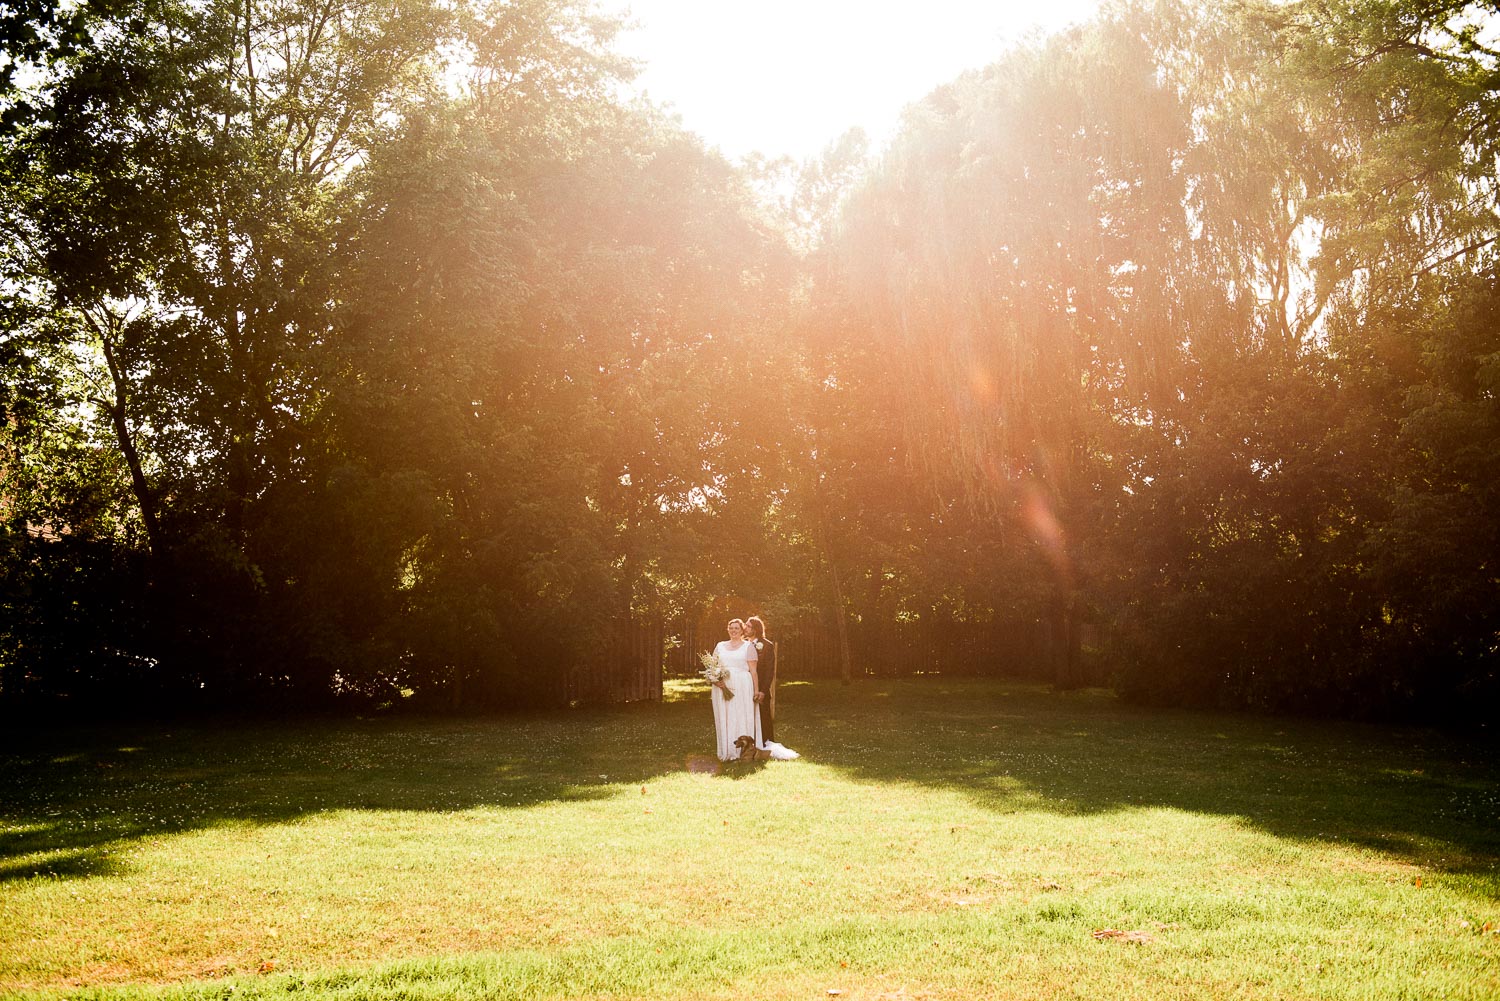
(1016, 247)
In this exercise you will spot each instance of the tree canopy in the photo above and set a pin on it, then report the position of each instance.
(355, 349)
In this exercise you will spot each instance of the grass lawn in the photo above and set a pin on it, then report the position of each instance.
(939, 839)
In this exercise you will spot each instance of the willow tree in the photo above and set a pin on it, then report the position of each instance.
(1015, 253)
(1340, 189)
(1412, 236)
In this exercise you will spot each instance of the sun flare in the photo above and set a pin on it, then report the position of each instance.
(782, 77)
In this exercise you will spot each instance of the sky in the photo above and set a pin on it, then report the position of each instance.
(788, 77)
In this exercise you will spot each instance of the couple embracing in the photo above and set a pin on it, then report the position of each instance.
(744, 697)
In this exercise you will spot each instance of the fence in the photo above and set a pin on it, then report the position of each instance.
(809, 648)
(644, 652)
(630, 669)
(893, 649)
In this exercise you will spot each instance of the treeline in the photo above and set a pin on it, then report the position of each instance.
(366, 351)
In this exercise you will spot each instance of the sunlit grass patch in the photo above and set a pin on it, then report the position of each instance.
(939, 838)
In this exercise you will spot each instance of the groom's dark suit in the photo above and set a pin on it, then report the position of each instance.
(765, 673)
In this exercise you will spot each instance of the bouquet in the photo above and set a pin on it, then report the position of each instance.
(714, 672)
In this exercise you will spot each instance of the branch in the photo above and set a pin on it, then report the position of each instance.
(254, 85)
(1476, 245)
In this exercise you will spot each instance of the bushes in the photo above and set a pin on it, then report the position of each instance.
(77, 623)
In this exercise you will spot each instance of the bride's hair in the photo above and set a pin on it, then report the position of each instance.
(757, 627)
(733, 621)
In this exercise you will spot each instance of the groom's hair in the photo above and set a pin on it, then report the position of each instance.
(757, 626)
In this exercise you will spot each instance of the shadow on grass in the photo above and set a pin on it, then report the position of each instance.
(1419, 793)
(72, 803)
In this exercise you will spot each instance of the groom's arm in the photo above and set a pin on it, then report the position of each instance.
(768, 668)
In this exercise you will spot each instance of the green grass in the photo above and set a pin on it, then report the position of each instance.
(939, 839)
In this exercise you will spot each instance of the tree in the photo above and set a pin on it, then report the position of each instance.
(1016, 247)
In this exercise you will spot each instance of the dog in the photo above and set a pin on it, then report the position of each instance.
(748, 750)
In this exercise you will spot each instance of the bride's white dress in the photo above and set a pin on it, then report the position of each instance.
(736, 717)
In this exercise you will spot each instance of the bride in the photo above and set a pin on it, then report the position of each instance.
(739, 716)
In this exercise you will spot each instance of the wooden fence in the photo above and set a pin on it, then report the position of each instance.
(630, 669)
(644, 652)
(809, 648)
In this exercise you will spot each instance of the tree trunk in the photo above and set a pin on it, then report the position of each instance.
(846, 664)
(820, 539)
(127, 445)
(1066, 639)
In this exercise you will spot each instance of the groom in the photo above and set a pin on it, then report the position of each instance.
(766, 673)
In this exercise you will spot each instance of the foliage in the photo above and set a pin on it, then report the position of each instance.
(1154, 287)
(361, 349)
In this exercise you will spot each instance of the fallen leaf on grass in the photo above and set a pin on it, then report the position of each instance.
(834, 992)
(268, 966)
(1124, 936)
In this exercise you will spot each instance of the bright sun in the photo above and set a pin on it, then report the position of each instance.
(787, 77)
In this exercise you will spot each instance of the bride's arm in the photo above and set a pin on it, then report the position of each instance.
(722, 686)
(752, 661)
